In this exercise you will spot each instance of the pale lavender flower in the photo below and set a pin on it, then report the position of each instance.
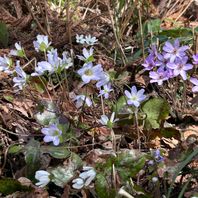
(135, 97)
(21, 78)
(5, 63)
(195, 59)
(52, 134)
(43, 177)
(195, 82)
(157, 156)
(87, 55)
(89, 72)
(180, 66)
(173, 51)
(105, 91)
(19, 51)
(90, 40)
(42, 67)
(104, 78)
(81, 99)
(149, 63)
(80, 39)
(158, 76)
(41, 44)
(104, 120)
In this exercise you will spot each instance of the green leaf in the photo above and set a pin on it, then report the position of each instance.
(156, 110)
(14, 149)
(61, 175)
(60, 152)
(102, 187)
(32, 157)
(9, 98)
(9, 186)
(180, 167)
(119, 104)
(3, 34)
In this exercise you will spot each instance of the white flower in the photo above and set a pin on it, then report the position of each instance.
(135, 97)
(108, 122)
(5, 63)
(78, 183)
(87, 55)
(43, 178)
(80, 39)
(81, 99)
(90, 40)
(85, 178)
(105, 91)
(89, 72)
(42, 43)
(66, 62)
(21, 78)
(88, 175)
(18, 52)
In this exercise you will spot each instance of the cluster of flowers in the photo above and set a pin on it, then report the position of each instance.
(171, 62)
(89, 40)
(53, 63)
(84, 180)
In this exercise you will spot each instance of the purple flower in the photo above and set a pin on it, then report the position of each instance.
(89, 72)
(21, 78)
(173, 51)
(180, 66)
(81, 99)
(42, 43)
(157, 156)
(161, 61)
(159, 76)
(149, 63)
(105, 91)
(195, 59)
(135, 97)
(195, 82)
(87, 55)
(52, 134)
(153, 51)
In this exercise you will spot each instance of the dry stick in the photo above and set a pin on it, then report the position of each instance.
(141, 30)
(35, 19)
(47, 19)
(102, 104)
(184, 10)
(124, 58)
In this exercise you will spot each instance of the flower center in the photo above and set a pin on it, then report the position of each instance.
(89, 72)
(56, 133)
(134, 98)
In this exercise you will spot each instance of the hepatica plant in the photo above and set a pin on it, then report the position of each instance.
(163, 64)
